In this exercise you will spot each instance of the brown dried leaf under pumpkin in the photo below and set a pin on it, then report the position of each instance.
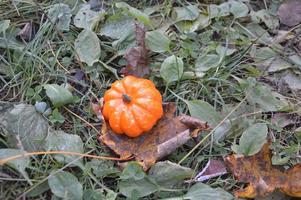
(169, 133)
(263, 178)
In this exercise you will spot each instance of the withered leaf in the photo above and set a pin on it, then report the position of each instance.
(290, 12)
(263, 178)
(27, 33)
(137, 57)
(168, 134)
(212, 169)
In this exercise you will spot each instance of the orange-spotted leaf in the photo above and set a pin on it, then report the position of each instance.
(168, 134)
(261, 176)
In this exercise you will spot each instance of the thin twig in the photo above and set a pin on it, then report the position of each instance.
(79, 117)
(8, 159)
(58, 62)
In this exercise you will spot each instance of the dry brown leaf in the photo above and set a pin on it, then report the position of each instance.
(137, 57)
(28, 32)
(263, 178)
(212, 169)
(168, 134)
(290, 12)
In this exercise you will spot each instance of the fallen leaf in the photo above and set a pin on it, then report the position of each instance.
(263, 178)
(137, 57)
(290, 13)
(28, 32)
(169, 133)
(212, 169)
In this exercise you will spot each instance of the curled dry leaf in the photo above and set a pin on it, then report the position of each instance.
(263, 178)
(137, 57)
(28, 32)
(212, 169)
(290, 12)
(168, 134)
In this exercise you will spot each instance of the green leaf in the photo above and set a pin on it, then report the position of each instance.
(140, 16)
(172, 69)
(136, 189)
(102, 168)
(87, 47)
(61, 141)
(238, 9)
(255, 31)
(265, 98)
(203, 111)
(90, 194)
(190, 13)
(117, 25)
(187, 26)
(25, 127)
(157, 41)
(270, 21)
(56, 116)
(133, 170)
(38, 190)
(279, 64)
(59, 95)
(87, 18)
(18, 164)
(168, 174)
(66, 186)
(4, 24)
(60, 14)
(219, 10)
(206, 62)
(203, 191)
(221, 51)
(125, 42)
(253, 139)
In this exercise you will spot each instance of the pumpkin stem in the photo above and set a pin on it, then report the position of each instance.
(126, 98)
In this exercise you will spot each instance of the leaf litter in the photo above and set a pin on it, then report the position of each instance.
(261, 176)
(169, 133)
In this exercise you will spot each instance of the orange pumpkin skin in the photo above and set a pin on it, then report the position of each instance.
(132, 106)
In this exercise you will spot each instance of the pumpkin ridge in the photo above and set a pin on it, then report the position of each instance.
(140, 106)
(125, 88)
(116, 88)
(135, 117)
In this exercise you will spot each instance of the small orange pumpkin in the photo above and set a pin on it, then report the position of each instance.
(132, 106)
